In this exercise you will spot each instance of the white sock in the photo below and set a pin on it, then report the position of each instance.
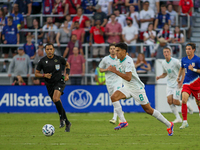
(161, 118)
(115, 114)
(118, 109)
(175, 111)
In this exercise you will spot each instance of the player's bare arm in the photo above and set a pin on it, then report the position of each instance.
(103, 70)
(127, 76)
(39, 75)
(67, 68)
(161, 76)
(181, 71)
(190, 67)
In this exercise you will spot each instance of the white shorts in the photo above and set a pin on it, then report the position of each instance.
(113, 88)
(139, 95)
(176, 92)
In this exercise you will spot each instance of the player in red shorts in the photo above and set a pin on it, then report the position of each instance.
(191, 83)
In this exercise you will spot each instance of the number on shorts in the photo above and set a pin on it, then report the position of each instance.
(141, 97)
(177, 93)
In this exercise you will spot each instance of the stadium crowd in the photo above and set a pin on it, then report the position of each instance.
(150, 22)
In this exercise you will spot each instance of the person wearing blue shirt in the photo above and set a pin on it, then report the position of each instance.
(29, 47)
(88, 6)
(135, 3)
(18, 18)
(25, 6)
(10, 35)
(162, 18)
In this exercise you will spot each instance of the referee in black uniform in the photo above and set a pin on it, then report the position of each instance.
(52, 65)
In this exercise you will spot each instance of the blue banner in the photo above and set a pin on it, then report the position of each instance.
(75, 99)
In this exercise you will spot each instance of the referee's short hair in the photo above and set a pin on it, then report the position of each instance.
(122, 46)
(48, 44)
(192, 45)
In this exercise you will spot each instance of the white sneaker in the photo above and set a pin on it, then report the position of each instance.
(190, 109)
(113, 121)
(177, 120)
(184, 125)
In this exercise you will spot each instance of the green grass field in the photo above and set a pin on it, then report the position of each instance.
(92, 131)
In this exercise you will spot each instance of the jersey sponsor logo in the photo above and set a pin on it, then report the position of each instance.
(193, 64)
(57, 67)
(55, 60)
(80, 98)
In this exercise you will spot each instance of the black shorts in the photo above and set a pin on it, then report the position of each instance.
(6, 50)
(60, 86)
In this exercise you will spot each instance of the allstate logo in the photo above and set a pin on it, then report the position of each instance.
(80, 98)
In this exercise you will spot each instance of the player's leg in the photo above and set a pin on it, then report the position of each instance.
(185, 97)
(198, 104)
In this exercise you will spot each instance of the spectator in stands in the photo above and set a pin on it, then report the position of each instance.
(10, 35)
(80, 18)
(135, 3)
(175, 5)
(36, 81)
(87, 31)
(49, 37)
(120, 18)
(47, 6)
(63, 37)
(99, 15)
(165, 33)
(29, 47)
(18, 19)
(129, 36)
(5, 8)
(186, 7)
(25, 6)
(21, 64)
(120, 5)
(88, 6)
(154, 5)
(162, 18)
(162, 44)
(36, 7)
(58, 8)
(18, 81)
(149, 38)
(142, 67)
(113, 30)
(178, 38)
(100, 77)
(39, 54)
(77, 65)
(79, 32)
(3, 20)
(73, 43)
(69, 21)
(106, 6)
(172, 14)
(134, 15)
(146, 16)
(71, 6)
(40, 34)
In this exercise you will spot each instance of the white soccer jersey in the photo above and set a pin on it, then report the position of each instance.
(111, 78)
(171, 68)
(127, 65)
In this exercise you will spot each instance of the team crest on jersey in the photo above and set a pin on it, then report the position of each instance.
(57, 67)
(193, 64)
(56, 60)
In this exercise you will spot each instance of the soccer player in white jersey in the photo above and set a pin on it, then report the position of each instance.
(133, 87)
(113, 81)
(171, 68)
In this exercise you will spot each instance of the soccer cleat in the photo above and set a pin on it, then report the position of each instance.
(113, 121)
(171, 129)
(177, 120)
(184, 125)
(67, 129)
(190, 109)
(121, 125)
(62, 123)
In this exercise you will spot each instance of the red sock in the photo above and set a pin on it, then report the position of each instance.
(184, 111)
(199, 108)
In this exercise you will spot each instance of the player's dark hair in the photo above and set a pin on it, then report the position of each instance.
(111, 45)
(192, 45)
(48, 44)
(122, 46)
(163, 5)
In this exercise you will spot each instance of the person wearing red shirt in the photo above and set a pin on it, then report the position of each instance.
(58, 8)
(186, 7)
(71, 6)
(80, 18)
(79, 32)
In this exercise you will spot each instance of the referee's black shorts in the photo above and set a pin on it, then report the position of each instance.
(60, 86)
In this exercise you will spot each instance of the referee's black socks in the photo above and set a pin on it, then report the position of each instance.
(61, 112)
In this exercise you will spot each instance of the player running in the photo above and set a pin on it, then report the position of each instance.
(54, 80)
(113, 81)
(191, 83)
(171, 68)
(133, 87)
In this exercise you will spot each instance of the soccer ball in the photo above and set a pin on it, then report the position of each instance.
(48, 130)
